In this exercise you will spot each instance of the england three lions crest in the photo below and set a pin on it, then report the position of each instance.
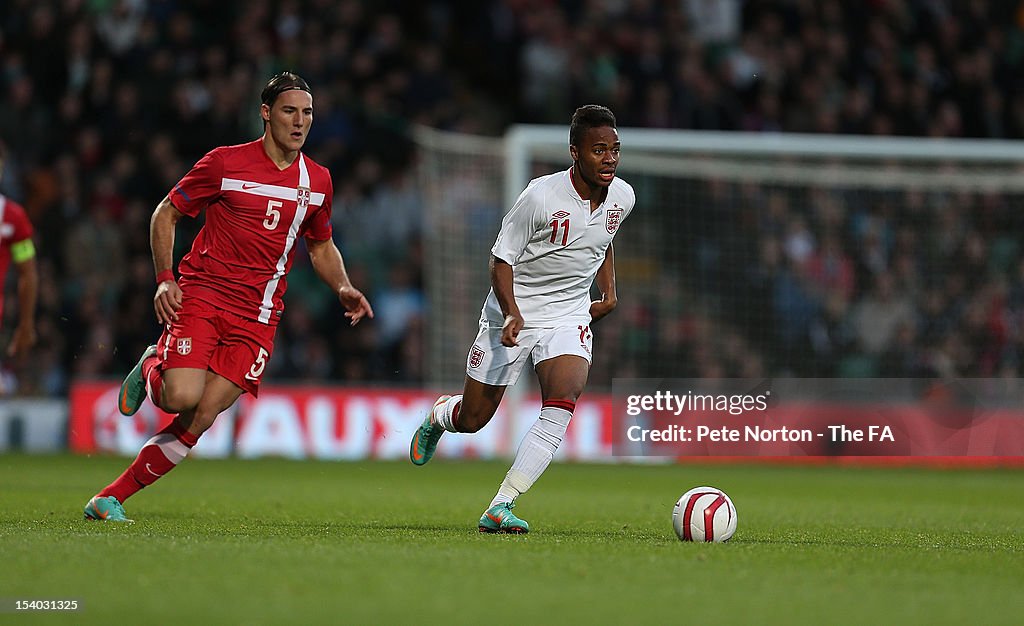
(303, 197)
(612, 219)
(476, 357)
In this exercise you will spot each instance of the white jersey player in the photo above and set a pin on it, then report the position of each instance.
(553, 245)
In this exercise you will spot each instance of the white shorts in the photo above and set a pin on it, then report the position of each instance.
(494, 364)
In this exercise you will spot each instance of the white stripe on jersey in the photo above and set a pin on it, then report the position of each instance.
(266, 308)
(4, 228)
(271, 191)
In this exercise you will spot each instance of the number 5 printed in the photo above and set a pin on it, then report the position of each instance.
(273, 214)
(258, 366)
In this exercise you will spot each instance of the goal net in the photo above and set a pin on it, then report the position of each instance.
(752, 255)
(461, 179)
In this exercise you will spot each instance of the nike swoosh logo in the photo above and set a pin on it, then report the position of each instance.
(96, 512)
(247, 187)
(124, 401)
(152, 472)
(416, 454)
(496, 520)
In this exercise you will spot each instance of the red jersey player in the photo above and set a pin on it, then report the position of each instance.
(16, 245)
(220, 316)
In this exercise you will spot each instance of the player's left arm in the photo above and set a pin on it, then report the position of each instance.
(605, 281)
(330, 267)
(23, 253)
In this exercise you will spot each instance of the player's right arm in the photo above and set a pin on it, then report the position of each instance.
(167, 300)
(501, 283)
(517, 229)
(196, 190)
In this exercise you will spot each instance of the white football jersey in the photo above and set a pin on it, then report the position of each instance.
(555, 245)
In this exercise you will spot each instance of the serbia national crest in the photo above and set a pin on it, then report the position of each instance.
(302, 197)
(612, 219)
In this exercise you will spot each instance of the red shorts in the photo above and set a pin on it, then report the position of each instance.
(208, 338)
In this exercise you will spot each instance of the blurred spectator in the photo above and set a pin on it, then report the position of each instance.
(880, 314)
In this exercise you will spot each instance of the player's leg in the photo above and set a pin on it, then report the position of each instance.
(216, 393)
(174, 369)
(159, 455)
(490, 368)
(238, 350)
(178, 378)
(180, 389)
(563, 365)
(465, 413)
(164, 450)
(219, 395)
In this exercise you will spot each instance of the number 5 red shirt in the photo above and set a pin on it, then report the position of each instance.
(255, 214)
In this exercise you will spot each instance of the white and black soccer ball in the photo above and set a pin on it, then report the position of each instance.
(704, 514)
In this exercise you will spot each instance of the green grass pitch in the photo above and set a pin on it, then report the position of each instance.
(274, 542)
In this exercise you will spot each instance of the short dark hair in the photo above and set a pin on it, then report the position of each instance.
(586, 117)
(280, 83)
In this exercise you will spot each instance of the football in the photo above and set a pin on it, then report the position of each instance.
(704, 514)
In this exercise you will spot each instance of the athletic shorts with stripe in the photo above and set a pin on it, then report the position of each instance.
(494, 364)
(209, 338)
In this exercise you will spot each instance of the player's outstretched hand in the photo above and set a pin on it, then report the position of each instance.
(167, 302)
(510, 330)
(356, 305)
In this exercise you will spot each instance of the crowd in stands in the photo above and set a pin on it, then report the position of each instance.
(777, 280)
(104, 104)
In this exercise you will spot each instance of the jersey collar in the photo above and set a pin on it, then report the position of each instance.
(575, 195)
(571, 188)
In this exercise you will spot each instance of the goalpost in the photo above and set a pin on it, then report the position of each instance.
(754, 254)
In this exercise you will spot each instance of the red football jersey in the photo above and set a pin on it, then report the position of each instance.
(14, 227)
(255, 214)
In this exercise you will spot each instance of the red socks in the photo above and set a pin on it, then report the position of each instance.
(153, 374)
(158, 456)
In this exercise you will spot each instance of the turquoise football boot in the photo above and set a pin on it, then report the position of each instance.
(424, 440)
(133, 389)
(500, 519)
(105, 509)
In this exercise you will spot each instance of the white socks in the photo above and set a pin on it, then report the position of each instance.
(443, 413)
(535, 452)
